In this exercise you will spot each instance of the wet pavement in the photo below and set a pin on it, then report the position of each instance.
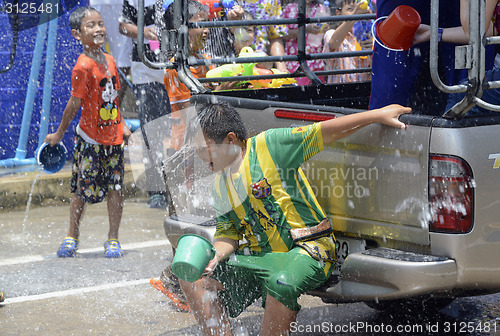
(88, 294)
(91, 295)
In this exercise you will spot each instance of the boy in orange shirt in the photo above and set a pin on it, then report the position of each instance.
(179, 96)
(178, 92)
(98, 164)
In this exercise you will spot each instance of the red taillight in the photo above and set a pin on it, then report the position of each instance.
(451, 194)
(300, 115)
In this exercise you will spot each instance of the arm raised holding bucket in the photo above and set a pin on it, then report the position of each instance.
(458, 35)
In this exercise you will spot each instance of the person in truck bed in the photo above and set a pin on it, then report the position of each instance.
(341, 39)
(460, 35)
(403, 77)
(261, 194)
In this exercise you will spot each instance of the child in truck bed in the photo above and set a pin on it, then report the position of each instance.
(314, 36)
(342, 39)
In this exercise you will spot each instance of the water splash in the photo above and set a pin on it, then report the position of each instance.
(28, 205)
(415, 205)
(241, 331)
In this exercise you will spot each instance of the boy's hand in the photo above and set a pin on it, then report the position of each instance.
(361, 9)
(211, 265)
(314, 28)
(235, 13)
(338, 128)
(150, 34)
(389, 115)
(126, 135)
(226, 86)
(53, 139)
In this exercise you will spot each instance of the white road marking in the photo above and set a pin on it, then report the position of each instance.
(76, 291)
(125, 247)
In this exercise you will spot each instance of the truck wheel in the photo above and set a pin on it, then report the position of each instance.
(409, 305)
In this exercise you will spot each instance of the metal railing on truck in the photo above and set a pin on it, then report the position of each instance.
(471, 56)
(175, 41)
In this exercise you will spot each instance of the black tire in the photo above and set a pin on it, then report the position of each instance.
(410, 305)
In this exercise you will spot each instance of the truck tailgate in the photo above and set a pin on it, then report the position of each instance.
(375, 182)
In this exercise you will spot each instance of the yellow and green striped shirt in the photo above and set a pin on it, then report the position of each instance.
(269, 195)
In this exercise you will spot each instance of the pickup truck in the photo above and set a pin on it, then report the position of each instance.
(414, 211)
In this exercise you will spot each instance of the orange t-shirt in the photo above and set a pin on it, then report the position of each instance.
(179, 93)
(97, 86)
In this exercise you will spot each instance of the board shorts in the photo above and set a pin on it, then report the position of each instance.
(283, 275)
(96, 170)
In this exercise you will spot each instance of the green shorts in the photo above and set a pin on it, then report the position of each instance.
(284, 276)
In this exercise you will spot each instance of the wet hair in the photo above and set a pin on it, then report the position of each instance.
(194, 7)
(77, 16)
(217, 120)
(340, 3)
(248, 14)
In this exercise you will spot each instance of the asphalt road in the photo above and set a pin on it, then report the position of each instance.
(91, 295)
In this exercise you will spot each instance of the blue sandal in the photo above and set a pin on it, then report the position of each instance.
(112, 249)
(68, 248)
(157, 202)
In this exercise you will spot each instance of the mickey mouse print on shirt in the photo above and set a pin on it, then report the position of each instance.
(109, 110)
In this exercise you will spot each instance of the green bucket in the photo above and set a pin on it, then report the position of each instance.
(192, 255)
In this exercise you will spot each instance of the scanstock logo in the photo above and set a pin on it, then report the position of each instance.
(25, 14)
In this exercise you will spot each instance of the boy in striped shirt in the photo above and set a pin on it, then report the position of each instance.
(262, 196)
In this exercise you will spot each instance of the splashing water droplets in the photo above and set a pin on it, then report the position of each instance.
(241, 331)
(28, 205)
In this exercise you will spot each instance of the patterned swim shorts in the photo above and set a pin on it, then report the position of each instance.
(96, 170)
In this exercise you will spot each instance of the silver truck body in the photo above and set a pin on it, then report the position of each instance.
(385, 189)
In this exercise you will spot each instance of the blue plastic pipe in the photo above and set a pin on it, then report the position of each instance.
(31, 92)
(20, 156)
(48, 81)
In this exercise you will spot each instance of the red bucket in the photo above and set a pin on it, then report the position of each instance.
(397, 30)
